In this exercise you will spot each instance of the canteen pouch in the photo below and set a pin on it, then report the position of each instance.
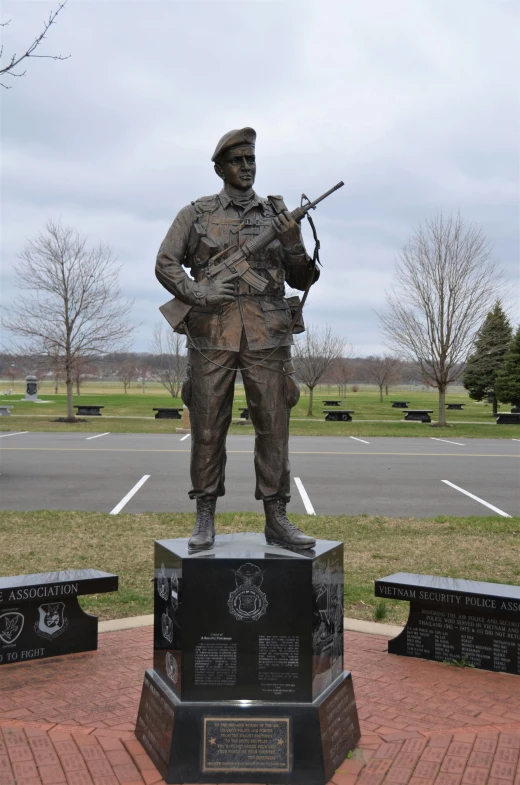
(294, 304)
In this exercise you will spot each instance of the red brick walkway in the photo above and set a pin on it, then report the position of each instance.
(70, 720)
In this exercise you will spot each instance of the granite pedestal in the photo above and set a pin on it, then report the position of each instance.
(248, 682)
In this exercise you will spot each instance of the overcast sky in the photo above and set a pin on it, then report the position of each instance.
(413, 103)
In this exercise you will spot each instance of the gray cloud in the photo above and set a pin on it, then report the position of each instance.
(412, 104)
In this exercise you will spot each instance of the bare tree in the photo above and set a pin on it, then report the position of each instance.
(127, 372)
(384, 371)
(14, 62)
(446, 283)
(314, 353)
(342, 371)
(171, 362)
(72, 308)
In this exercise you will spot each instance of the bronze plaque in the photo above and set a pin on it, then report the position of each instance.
(246, 744)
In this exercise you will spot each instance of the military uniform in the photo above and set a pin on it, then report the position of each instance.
(236, 335)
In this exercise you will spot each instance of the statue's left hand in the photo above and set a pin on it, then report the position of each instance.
(287, 229)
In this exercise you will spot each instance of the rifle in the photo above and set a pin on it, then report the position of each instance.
(175, 311)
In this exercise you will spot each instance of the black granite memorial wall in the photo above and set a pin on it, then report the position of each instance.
(455, 620)
(248, 676)
(40, 615)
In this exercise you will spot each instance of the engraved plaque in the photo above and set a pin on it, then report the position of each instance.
(155, 721)
(246, 744)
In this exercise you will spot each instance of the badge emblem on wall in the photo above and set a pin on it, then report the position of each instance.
(162, 583)
(11, 625)
(175, 592)
(248, 602)
(52, 621)
(172, 669)
(167, 627)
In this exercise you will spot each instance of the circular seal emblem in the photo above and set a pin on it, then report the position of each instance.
(163, 588)
(172, 669)
(248, 602)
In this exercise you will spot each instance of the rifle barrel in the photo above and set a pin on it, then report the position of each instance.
(323, 196)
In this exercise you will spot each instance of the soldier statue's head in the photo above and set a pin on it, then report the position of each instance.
(234, 159)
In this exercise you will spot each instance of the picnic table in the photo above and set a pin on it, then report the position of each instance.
(400, 404)
(88, 409)
(418, 415)
(455, 405)
(166, 413)
(339, 415)
(244, 413)
(331, 403)
(508, 418)
(4, 411)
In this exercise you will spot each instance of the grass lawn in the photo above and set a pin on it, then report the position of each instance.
(473, 548)
(133, 413)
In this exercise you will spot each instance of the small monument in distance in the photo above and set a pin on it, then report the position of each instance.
(31, 388)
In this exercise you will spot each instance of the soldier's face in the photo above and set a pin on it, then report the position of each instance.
(239, 167)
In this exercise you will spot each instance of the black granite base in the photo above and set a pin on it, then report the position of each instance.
(247, 741)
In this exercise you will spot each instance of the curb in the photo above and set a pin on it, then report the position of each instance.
(351, 625)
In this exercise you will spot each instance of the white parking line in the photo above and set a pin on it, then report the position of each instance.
(447, 441)
(185, 437)
(97, 435)
(15, 433)
(129, 495)
(477, 499)
(516, 440)
(309, 509)
(358, 440)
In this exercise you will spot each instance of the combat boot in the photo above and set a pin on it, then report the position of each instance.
(280, 531)
(203, 535)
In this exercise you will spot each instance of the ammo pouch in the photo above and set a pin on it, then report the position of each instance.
(294, 304)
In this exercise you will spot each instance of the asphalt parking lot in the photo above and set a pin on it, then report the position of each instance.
(418, 477)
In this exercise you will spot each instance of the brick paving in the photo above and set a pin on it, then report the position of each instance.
(70, 720)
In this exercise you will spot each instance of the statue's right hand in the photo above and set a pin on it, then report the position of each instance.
(219, 290)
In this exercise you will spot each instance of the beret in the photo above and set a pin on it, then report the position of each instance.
(234, 138)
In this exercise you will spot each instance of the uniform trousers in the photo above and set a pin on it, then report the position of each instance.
(271, 392)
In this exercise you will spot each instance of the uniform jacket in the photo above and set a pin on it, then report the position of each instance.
(201, 230)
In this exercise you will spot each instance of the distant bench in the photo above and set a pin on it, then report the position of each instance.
(4, 411)
(87, 409)
(331, 403)
(455, 405)
(340, 414)
(419, 415)
(168, 414)
(40, 615)
(244, 413)
(400, 404)
(455, 620)
(508, 418)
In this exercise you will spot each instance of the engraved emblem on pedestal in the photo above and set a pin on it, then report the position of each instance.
(11, 625)
(52, 620)
(162, 584)
(248, 602)
(175, 591)
(167, 627)
(172, 669)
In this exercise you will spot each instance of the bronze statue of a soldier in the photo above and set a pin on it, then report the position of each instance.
(231, 325)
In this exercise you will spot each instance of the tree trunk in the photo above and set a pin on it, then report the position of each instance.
(381, 393)
(78, 392)
(311, 397)
(442, 405)
(125, 386)
(55, 387)
(70, 399)
(386, 389)
(495, 405)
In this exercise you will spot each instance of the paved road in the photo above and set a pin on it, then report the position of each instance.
(340, 475)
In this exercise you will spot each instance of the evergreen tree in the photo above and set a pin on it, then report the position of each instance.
(507, 384)
(487, 359)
